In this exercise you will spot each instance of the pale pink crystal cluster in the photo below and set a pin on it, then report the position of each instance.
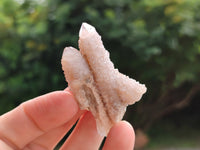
(95, 83)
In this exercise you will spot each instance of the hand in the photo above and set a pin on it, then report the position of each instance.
(40, 123)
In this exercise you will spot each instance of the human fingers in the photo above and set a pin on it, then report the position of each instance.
(35, 117)
(50, 139)
(3, 145)
(84, 136)
(120, 137)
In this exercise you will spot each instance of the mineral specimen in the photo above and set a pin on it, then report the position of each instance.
(95, 83)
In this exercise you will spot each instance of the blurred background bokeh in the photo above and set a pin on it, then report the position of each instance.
(154, 41)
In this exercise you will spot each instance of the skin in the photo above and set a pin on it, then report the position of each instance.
(40, 123)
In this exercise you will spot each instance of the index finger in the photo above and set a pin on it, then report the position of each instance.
(34, 117)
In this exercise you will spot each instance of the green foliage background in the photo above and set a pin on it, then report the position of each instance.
(156, 42)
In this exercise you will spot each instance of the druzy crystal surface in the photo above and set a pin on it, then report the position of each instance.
(95, 83)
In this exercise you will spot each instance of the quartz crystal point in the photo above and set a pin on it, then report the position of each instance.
(95, 83)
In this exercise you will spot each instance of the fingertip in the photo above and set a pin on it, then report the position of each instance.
(52, 109)
(67, 89)
(121, 136)
(85, 133)
(127, 127)
(87, 119)
(123, 127)
(67, 95)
